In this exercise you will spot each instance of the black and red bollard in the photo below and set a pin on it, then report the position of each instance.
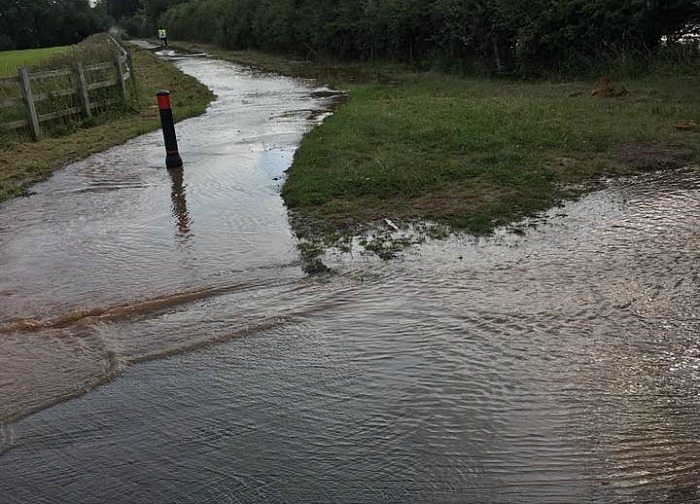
(172, 156)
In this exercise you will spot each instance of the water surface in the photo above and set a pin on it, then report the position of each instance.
(561, 366)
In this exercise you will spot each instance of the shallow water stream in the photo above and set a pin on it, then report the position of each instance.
(558, 366)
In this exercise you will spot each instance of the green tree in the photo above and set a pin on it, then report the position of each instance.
(501, 35)
(45, 23)
(119, 9)
(549, 31)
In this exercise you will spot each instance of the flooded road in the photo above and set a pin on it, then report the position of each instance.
(558, 366)
(117, 236)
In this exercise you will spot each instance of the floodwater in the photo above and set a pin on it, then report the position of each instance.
(558, 366)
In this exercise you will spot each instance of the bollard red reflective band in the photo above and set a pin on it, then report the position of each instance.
(163, 101)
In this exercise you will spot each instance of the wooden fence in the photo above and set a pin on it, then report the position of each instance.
(80, 85)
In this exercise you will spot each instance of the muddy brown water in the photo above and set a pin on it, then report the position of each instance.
(558, 366)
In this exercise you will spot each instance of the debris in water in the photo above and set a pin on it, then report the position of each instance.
(391, 225)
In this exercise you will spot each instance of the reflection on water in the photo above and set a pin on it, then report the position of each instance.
(561, 366)
(177, 195)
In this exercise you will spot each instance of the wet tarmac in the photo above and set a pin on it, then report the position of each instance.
(562, 365)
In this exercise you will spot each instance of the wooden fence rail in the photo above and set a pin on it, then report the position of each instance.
(123, 78)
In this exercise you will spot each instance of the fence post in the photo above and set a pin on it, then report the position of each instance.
(120, 76)
(83, 91)
(130, 66)
(28, 97)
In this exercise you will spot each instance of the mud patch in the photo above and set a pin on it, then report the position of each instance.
(652, 156)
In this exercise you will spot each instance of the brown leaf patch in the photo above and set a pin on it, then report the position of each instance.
(686, 125)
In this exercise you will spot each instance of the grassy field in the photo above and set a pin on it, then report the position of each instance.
(25, 163)
(10, 61)
(475, 153)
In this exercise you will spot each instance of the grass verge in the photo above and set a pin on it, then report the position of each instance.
(22, 164)
(11, 60)
(474, 153)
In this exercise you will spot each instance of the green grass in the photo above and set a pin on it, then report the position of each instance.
(10, 61)
(476, 153)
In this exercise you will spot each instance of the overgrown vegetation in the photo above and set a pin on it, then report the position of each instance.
(514, 37)
(24, 163)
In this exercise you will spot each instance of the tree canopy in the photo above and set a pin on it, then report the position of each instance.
(45, 23)
(119, 9)
(496, 34)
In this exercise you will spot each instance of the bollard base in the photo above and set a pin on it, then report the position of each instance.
(173, 160)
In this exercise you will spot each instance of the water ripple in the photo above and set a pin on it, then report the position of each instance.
(558, 366)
